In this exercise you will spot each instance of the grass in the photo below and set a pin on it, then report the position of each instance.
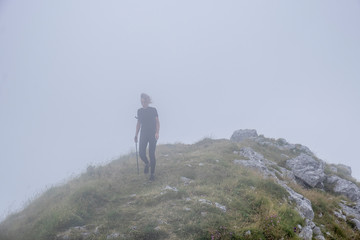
(114, 200)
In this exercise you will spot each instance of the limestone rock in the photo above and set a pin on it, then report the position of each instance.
(353, 211)
(221, 207)
(113, 236)
(204, 201)
(307, 169)
(344, 187)
(339, 215)
(303, 204)
(169, 188)
(243, 134)
(306, 233)
(217, 205)
(317, 231)
(356, 222)
(186, 180)
(256, 161)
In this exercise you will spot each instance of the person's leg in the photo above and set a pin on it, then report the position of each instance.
(142, 152)
(152, 147)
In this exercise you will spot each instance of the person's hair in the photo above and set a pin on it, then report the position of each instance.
(146, 98)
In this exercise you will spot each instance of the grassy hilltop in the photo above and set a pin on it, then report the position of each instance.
(198, 193)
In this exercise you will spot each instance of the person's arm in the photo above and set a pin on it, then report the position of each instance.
(157, 128)
(137, 131)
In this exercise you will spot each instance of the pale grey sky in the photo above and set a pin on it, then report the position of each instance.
(71, 73)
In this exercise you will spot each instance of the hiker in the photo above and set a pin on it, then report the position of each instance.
(148, 122)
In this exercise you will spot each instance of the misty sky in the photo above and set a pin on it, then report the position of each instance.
(71, 75)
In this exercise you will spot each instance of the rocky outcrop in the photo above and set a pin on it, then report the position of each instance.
(282, 145)
(344, 187)
(243, 134)
(351, 211)
(356, 222)
(303, 205)
(307, 169)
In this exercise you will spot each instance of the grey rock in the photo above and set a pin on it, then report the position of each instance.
(253, 164)
(221, 207)
(170, 188)
(204, 201)
(256, 161)
(339, 215)
(251, 154)
(299, 227)
(317, 231)
(303, 204)
(306, 233)
(318, 234)
(217, 205)
(113, 236)
(356, 222)
(344, 187)
(307, 169)
(310, 223)
(243, 134)
(351, 210)
(186, 180)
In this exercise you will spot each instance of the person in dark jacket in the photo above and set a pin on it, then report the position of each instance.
(148, 122)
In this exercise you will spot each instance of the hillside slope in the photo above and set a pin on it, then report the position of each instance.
(249, 187)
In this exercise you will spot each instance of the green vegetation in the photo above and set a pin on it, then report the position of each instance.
(113, 201)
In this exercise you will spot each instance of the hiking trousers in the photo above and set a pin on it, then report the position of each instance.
(146, 139)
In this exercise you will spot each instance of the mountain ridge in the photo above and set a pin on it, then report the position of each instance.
(248, 187)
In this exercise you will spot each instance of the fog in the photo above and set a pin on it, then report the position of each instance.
(71, 75)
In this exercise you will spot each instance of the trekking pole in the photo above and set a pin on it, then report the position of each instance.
(137, 158)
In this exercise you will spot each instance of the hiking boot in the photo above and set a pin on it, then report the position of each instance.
(146, 169)
(152, 177)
